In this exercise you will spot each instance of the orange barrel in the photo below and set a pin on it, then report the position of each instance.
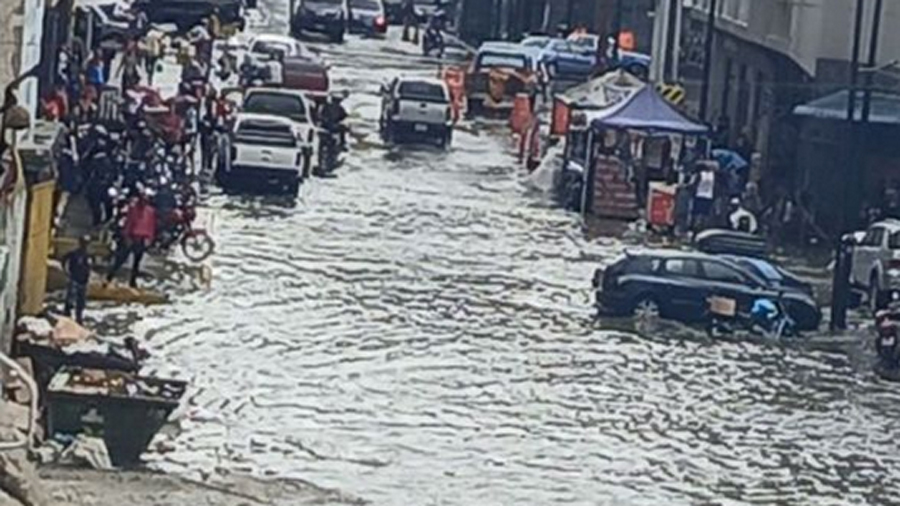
(521, 113)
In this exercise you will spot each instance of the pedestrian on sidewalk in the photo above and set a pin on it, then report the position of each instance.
(410, 21)
(138, 235)
(77, 265)
(128, 70)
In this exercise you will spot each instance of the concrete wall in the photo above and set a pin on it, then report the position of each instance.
(11, 244)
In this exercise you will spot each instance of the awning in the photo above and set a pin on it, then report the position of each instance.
(885, 107)
(603, 91)
(647, 110)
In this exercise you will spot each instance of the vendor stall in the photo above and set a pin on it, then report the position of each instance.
(639, 140)
(573, 111)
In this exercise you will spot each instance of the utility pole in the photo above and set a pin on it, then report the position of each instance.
(660, 54)
(707, 58)
(617, 28)
(844, 251)
(873, 61)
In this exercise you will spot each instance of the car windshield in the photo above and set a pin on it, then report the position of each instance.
(365, 4)
(764, 269)
(489, 60)
(417, 90)
(268, 133)
(325, 2)
(272, 47)
(277, 104)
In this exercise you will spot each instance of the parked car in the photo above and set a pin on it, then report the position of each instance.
(417, 108)
(368, 17)
(564, 58)
(678, 285)
(264, 155)
(186, 14)
(876, 262)
(329, 17)
(290, 105)
(301, 67)
(774, 275)
(499, 72)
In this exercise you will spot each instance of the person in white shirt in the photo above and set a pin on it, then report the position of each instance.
(741, 219)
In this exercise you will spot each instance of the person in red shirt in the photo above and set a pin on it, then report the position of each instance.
(138, 234)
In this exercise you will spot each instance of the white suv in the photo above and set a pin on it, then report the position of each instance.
(876, 262)
(417, 108)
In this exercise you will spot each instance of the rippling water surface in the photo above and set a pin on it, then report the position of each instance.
(418, 331)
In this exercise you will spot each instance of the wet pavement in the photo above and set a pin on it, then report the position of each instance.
(418, 330)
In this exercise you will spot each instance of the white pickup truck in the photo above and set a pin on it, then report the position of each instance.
(291, 105)
(264, 154)
(418, 109)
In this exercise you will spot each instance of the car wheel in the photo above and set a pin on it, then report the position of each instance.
(646, 307)
(338, 36)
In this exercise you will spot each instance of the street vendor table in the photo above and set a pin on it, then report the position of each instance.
(128, 410)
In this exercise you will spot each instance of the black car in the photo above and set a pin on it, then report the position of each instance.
(678, 285)
(329, 17)
(186, 14)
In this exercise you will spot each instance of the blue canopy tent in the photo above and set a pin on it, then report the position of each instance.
(647, 110)
(611, 185)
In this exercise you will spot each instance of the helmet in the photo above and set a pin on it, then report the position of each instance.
(764, 309)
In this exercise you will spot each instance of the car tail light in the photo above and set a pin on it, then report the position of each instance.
(380, 22)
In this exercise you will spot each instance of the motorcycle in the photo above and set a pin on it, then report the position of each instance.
(433, 42)
(176, 226)
(329, 152)
(767, 318)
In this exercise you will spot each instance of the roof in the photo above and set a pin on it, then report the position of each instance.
(885, 107)
(427, 80)
(603, 91)
(509, 48)
(647, 110)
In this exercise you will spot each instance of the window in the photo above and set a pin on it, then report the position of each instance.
(894, 241)
(502, 60)
(641, 265)
(277, 104)
(874, 237)
(714, 271)
(424, 91)
(683, 267)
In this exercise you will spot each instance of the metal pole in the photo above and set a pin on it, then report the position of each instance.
(843, 251)
(873, 60)
(570, 12)
(617, 28)
(707, 58)
(660, 42)
(676, 47)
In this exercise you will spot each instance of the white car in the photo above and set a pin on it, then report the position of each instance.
(876, 262)
(289, 104)
(417, 108)
(288, 47)
(264, 154)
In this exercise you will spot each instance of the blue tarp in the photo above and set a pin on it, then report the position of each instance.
(647, 110)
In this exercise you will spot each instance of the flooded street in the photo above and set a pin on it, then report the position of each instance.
(419, 331)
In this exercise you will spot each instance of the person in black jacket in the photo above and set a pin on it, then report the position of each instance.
(77, 265)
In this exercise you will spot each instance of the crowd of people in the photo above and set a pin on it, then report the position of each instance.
(130, 153)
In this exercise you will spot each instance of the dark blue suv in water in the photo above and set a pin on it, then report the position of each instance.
(329, 17)
(678, 285)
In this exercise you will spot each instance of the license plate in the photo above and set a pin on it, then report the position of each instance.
(420, 127)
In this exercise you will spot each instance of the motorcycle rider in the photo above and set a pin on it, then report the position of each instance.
(138, 234)
(434, 33)
(333, 116)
